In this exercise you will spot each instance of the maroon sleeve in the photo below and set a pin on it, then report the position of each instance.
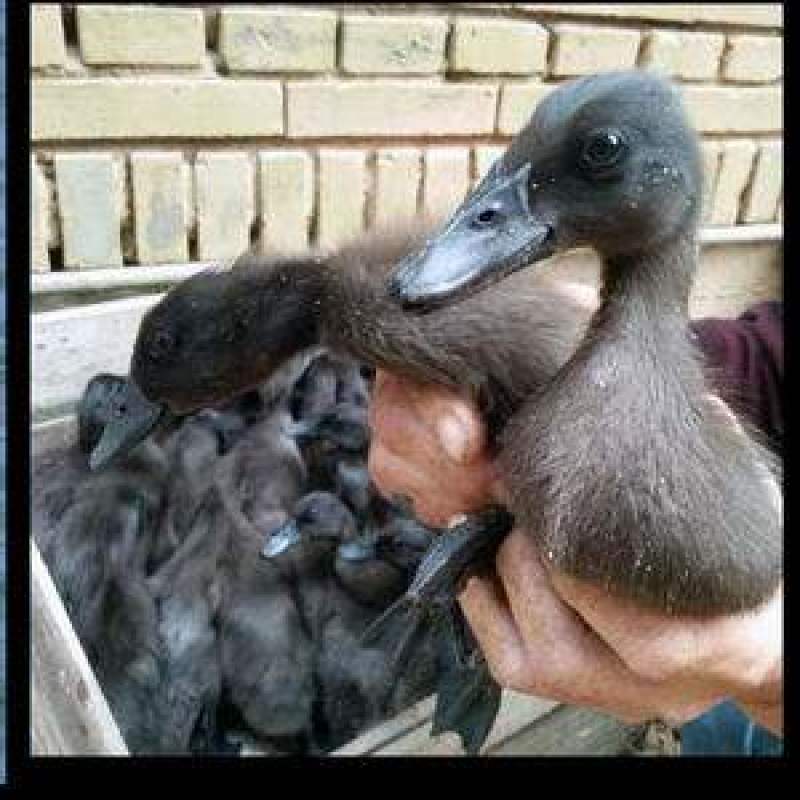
(746, 360)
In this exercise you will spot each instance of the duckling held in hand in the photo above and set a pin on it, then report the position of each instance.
(622, 466)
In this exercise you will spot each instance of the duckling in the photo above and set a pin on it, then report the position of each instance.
(330, 379)
(615, 458)
(340, 585)
(303, 548)
(266, 653)
(376, 567)
(97, 555)
(315, 391)
(334, 446)
(193, 450)
(621, 466)
(55, 477)
(303, 545)
(265, 472)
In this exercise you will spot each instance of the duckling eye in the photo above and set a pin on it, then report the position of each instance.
(602, 149)
(162, 344)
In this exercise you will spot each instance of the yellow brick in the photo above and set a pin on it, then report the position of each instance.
(90, 207)
(342, 185)
(286, 192)
(769, 15)
(734, 172)
(141, 35)
(225, 204)
(487, 45)
(678, 54)
(485, 156)
(386, 44)
(446, 181)
(752, 59)
(147, 108)
(397, 181)
(389, 108)
(728, 109)
(159, 207)
(277, 39)
(47, 36)
(40, 258)
(761, 201)
(584, 49)
(712, 152)
(517, 104)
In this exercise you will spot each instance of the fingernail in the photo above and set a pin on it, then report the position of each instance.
(452, 437)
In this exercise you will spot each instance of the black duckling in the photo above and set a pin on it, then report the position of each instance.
(193, 450)
(188, 589)
(330, 379)
(304, 544)
(685, 523)
(315, 391)
(350, 681)
(266, 652)
(334, 446)
(341, 584)
(265, 472)
(376, 567)
(97, 555)
(55, 477)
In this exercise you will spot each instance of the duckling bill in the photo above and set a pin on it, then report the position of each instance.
(494, 233)
(132, 418)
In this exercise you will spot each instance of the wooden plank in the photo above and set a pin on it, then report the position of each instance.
(157, 275)
(72, 345)
(517, 712)
(568, 731)
(69, 714)
(404, 724)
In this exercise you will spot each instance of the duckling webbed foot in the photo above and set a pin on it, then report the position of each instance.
(467, 696)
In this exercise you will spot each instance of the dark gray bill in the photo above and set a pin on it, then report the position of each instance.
(493, 234)
(132, 419)
(281, 540)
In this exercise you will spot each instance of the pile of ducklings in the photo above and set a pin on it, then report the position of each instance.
(221, 575)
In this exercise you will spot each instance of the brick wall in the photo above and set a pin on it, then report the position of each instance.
(172, 134)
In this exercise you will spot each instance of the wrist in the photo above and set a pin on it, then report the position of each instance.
(765, 704)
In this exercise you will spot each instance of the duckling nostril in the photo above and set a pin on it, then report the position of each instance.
(489, 216)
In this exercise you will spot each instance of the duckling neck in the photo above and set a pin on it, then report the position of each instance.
(640, 334)
(647, 291)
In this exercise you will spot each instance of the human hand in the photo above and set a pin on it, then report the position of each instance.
(429, 445)
(545, 633)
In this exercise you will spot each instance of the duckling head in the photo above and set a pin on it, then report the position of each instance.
(213, 336)
(318, 523)
(609, 161)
